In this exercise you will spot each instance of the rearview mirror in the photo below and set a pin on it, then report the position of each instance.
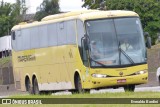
(86, 42)
(146, 34)
(148, 40)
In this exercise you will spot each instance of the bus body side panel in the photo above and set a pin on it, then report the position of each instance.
(54, 67)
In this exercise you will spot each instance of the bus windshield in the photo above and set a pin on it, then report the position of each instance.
(116, 42)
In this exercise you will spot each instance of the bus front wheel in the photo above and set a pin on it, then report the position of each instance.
(78, 86)
(129, 88)
(35, 87)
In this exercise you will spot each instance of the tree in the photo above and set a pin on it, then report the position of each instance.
(5, 9)
(10, 15)
(47, 7)
(147, 9)
(18, 11)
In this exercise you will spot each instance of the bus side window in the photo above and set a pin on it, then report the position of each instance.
(52, 34)
(62, 31)
(61, 25)
(34, 43)
(71, 32)
(43, 36)
(25, 33)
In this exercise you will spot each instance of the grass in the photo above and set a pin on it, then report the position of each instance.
(85, 105)
(4, 60)
(99, 95)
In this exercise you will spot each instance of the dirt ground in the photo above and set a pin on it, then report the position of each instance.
(7, 90)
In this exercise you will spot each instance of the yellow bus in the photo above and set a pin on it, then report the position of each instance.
(79, 51)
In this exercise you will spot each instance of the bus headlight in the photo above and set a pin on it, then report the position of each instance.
(99, 75)
(141, 72)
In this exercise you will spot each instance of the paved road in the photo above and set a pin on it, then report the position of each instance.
(138, 89)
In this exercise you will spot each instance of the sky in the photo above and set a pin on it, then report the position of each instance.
(65, 5)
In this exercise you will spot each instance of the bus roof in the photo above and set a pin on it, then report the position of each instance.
(83, 15)
(68, 14)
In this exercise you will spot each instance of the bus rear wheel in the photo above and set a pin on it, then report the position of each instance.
(129, 88)
(35, 87)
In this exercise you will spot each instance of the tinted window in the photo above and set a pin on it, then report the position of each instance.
(62, 32)
(52, 34)
(80, 31)
(71, 32)
(25, 39)
(34, 37)
(43, 37)
(19, 40)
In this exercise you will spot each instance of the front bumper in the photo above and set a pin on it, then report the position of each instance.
(116, 81)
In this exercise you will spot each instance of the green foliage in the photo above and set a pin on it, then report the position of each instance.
(148, 10)
(10, 15)
(4, 61)
(47, 7)
(5, 9)
(145, 94)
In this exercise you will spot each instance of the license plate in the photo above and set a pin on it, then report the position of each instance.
(121, 81)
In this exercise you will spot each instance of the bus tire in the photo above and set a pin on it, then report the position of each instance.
(87, 91)
(35, 87)
(78, 84)
(159, 80)
(28, 86)
(129, 88)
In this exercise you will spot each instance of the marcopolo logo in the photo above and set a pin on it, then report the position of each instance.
(121, 73)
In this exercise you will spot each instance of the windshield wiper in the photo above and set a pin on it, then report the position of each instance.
(125, 54)
(98, 62)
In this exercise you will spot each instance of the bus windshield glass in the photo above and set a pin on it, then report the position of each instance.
(116, 42)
